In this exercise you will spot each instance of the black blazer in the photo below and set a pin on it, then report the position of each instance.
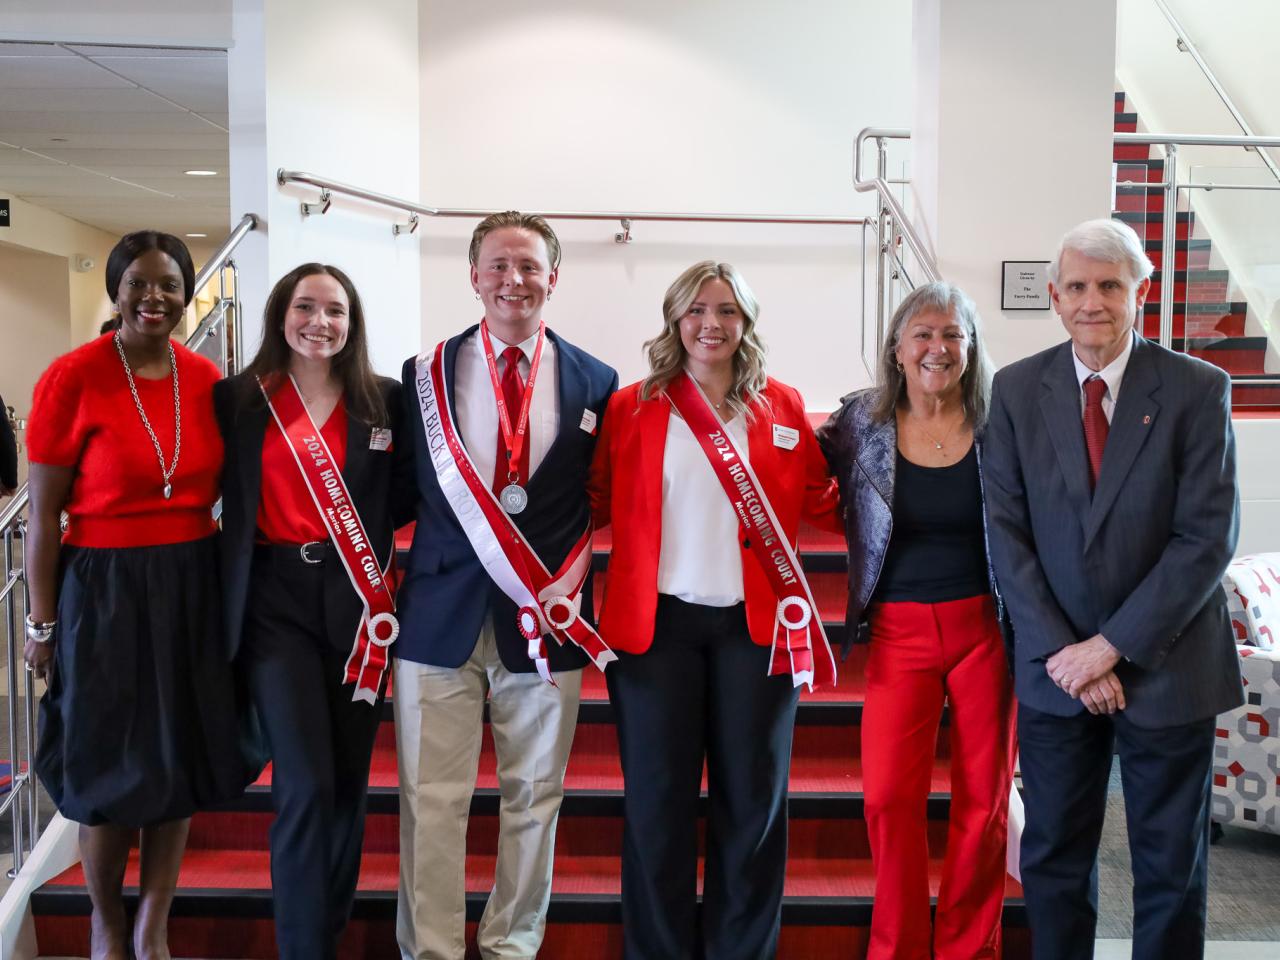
(8, 450)
(242, 420)
(446, 593)
(1141, 558)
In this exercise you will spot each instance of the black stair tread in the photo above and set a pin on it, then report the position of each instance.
(73, 901)
(1126, 118)
(1151, 216)
(1151, 244)
(1200, 307)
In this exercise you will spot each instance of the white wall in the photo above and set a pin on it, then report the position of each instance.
(37, 229)
(1011, 143)
(35, 322)
(329, 87)
(718, 106)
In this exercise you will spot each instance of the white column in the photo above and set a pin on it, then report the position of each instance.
(1011, 142)
(332, 88)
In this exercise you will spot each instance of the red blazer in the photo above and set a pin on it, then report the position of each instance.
(626, 492)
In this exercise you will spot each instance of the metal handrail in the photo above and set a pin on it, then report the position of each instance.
(328, 186)
(1194, 140)
(880, 184)
(1184, 43)
(12, 529)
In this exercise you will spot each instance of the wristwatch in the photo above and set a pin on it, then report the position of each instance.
(40, 631)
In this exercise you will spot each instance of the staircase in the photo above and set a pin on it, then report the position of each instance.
(1207, 322)
(223, 903)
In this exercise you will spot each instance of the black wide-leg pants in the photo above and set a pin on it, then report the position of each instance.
(321, 746)
(702, 692)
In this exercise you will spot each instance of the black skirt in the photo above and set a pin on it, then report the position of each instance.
(140, 724)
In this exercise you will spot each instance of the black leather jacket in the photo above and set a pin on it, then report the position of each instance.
(863, 455)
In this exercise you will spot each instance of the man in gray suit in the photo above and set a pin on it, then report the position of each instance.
(1111, 487)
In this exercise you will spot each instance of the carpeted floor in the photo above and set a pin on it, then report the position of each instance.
(1244, 880)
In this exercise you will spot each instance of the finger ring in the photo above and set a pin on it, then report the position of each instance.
(29, 667)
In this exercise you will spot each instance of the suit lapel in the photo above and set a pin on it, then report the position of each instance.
(251, 431)
(1060, 407)
(1131, 423)
(571, 394)
(450, 369)
(357, 461)
(878, 457)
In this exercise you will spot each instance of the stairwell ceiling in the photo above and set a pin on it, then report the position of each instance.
(103, 134)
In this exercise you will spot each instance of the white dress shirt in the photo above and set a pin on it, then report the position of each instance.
(699, 559)
(476, 408)
(1111, 374)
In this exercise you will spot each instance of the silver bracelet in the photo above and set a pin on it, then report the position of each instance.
(40, 631)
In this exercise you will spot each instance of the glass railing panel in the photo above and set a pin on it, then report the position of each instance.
(1228, 310)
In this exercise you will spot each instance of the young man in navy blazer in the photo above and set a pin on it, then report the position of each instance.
(1111, 488)
(459, 640)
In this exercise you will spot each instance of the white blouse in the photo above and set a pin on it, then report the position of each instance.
(699, 560)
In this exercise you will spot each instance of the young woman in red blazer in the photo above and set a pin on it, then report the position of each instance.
(693, 615)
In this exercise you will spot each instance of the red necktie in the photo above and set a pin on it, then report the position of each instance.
(512, 395)
(1095, 425)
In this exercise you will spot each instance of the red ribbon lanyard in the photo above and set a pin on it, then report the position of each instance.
(378, 627)
(800, 645)
(513, 440)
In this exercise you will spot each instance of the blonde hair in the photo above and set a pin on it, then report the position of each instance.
(666, 351)
(519, 221)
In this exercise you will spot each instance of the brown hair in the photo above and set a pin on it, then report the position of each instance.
(521, 221)
(351, 365)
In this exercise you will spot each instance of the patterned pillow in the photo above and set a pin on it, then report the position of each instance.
(1252, 584)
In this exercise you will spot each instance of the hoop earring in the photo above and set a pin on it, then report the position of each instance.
(477, 295)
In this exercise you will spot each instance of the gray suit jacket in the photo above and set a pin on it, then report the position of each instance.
(1140, 560)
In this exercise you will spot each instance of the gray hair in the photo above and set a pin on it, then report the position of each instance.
(1109, 241)
(946, 298)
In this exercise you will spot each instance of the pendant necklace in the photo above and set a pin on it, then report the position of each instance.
(167, 474)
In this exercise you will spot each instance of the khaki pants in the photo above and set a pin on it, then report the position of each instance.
(439, 715)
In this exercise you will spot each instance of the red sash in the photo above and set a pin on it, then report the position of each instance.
(378, 627)
(545, 602)
(800, 645)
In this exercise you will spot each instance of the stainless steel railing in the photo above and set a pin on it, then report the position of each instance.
(1185, 45)
(328, 187)
(21, 801)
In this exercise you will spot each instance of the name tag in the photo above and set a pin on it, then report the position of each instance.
(379, 439)
(785, 437)
(588, 421)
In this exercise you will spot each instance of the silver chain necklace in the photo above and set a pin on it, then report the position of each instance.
(177, 414)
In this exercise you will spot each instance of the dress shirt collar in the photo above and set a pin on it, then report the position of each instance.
(526, 346)
(1112, 373)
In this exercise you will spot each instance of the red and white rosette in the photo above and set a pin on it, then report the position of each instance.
(800, 646)
(378, 627)
(546, 602)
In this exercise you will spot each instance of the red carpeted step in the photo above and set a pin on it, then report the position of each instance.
(825, 759)
(1130, 151)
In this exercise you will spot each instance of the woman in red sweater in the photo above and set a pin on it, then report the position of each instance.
(705, 469)
(138, 726)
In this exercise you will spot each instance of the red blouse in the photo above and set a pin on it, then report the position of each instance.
(83, 416)
(286, 512)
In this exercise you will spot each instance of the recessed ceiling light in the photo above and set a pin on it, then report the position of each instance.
(57, 139)
(197, 235)
(201, 173)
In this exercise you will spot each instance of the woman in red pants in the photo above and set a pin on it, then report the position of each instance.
(907, 454)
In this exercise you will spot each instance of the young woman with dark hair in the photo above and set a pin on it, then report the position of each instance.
(307, 520)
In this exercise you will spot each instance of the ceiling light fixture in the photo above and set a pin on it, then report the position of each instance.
(201, 173)
(197, 235)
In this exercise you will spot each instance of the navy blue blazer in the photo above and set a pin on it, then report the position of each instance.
(863, 456)
(446, 593)
(1141, 558)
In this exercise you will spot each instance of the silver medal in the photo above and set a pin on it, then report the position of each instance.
(513, 498)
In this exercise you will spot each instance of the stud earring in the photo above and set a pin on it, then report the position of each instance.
(901, 368)
(477, 295)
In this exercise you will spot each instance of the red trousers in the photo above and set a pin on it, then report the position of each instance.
(922, 654)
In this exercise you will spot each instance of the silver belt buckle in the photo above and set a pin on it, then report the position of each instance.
(306, 557)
